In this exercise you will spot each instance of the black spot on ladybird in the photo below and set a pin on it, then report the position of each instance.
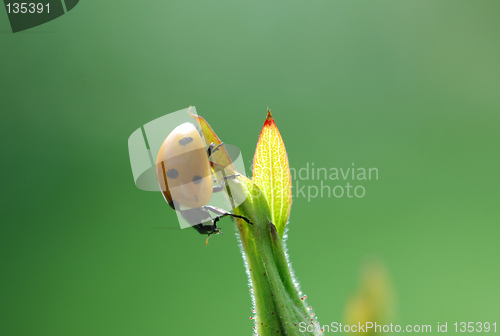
(172, 173)
(197, 179)
(185, 141)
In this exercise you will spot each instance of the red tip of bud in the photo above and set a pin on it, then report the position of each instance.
(269, 119)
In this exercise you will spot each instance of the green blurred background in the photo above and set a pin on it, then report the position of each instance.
(409, 87)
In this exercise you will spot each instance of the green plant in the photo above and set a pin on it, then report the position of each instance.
(279, 306)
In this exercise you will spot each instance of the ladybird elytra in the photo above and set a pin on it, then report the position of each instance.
(183, 169)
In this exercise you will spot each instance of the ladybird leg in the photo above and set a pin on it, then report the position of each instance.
(216, 219)
(213, 148)
(210, 149)
(241, 217)
(216, 229)
(231, 176)
(222, 213)
(217, 188)
(218, 146)
(222, 183)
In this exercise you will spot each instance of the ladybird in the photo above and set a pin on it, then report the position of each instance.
(185, 178)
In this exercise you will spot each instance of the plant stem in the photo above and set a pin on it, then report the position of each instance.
(278, 305)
